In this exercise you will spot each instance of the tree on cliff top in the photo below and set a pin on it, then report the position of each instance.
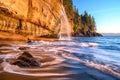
(68, 5)
(89, 21)
(84, 22)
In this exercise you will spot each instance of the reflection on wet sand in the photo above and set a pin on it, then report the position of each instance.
(59, 61)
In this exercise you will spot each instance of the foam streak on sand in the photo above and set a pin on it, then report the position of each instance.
(103, 68)
(16, 70)
(61, 59)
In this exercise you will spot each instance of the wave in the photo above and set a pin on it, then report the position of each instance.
(102, 67)
(65, 43)
(58, 58)
(16, 70)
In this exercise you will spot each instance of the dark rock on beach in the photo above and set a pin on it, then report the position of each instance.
(1, 60)
(26, 60)
(81, 33)
(23, 48)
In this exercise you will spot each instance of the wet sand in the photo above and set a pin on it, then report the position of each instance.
(85, 73)
(56, 64)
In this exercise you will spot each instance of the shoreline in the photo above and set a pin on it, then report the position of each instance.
(73, 70)
(86, 73)
(19, 37)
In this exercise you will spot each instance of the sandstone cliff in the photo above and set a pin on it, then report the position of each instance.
(31, 17)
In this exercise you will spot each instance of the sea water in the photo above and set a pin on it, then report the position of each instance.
(82, 58)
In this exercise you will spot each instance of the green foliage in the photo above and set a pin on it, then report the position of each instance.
(75, 28)
(85, 28)
(68, 4)
(76, 16)
(83, 22)
(88, 21)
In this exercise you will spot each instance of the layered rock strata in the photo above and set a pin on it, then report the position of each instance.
(31, 17)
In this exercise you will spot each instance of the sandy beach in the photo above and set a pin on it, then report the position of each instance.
(56, 63)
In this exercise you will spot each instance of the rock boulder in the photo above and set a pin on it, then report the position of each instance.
(25, 60)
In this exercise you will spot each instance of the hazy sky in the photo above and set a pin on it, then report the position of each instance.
(105, 12)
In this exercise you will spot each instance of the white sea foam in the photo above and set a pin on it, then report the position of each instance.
(61, 51)
(16, 70)
(64, 43)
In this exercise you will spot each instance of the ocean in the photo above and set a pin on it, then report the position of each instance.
(82, 58)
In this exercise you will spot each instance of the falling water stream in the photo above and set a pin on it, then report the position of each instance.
(65, 26)
(63, 59)
(60, 60)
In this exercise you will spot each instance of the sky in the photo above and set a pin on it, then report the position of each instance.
(105, 12)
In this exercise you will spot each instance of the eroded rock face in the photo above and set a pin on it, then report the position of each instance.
(30, 17)
(25, 60)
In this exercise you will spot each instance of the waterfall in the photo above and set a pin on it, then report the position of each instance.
(64, 33)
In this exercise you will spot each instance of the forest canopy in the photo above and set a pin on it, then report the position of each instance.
(82, 23)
